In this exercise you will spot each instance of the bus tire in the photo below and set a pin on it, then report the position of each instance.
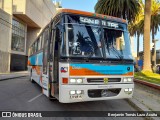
(52, 98)
(31, 77)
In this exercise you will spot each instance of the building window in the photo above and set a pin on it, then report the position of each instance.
(1, 4)
(18, 36)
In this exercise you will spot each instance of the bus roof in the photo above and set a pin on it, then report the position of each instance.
(62, 10)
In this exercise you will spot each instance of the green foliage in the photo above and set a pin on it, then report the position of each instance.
(155, 16)
(126, 9)
(136, 26)
(148, 76)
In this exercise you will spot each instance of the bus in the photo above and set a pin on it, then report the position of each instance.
(81, 56)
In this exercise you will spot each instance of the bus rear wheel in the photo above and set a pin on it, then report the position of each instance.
(52, 99)
(31, 77)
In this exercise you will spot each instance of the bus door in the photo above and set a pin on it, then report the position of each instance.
(45, 74)
(55, 64)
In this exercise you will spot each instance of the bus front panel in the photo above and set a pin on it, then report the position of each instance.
(90, 82)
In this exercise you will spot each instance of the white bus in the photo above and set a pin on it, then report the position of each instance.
(82, 56)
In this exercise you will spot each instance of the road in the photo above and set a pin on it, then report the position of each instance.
(22, 95)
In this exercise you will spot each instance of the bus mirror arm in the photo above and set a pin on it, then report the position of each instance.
(54, 29)
(53, 82)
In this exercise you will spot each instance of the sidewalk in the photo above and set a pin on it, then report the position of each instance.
(146, 98)
(13, 75)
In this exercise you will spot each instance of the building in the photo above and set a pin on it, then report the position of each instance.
(21, 21)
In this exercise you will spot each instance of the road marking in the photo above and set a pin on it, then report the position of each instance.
(35, 97)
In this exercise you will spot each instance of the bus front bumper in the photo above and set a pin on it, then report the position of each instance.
(81, 93)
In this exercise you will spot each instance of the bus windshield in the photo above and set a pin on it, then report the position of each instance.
(116, 44)
(84, 41)
(87, 38)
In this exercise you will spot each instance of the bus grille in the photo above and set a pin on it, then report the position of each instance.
(101, 80)
(96, 93)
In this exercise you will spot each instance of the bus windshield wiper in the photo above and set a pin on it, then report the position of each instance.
(117, 53)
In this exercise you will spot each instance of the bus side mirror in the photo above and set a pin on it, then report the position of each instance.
(51, 57)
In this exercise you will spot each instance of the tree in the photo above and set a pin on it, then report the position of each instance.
(126, 9)
(155, 22)
(136, 26)
(146, 38)
(155, 17)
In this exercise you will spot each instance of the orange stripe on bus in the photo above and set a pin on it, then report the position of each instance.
(38, 69)
(29, 63)
(89, 14)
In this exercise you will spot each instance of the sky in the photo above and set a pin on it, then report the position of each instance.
(88, 5)
(85, 5)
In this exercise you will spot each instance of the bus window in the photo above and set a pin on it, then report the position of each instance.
(84, 41)
(42, 41)
(57, 37)
(45, 52)
(38, 44)
(29, 52)
(120, 43)
(33, 48)
(116, 44)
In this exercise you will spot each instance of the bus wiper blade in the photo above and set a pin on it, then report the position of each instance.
(117, 53)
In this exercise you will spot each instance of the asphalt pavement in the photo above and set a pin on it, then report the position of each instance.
(21, 95)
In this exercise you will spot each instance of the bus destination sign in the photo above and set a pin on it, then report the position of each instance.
(89, 20)
(110, 24)
(97, 22)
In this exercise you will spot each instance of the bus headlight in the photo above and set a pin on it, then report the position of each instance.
(79, 80)
(128, 90)
(72, 92)
(72, 80)
(79, 92)
(130, 79)
(127, 79)
(76, 80)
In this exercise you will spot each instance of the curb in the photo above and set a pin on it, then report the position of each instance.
(141, 109)
(137, 107)
(133, 104)
(148, 84)
(13, 77)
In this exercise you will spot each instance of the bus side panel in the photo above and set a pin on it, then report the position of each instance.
(35, 62)
(63, 73)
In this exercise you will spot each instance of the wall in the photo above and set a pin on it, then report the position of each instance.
(35, 14)
(19, 6)
(5, 41)
(44, 10)
(8, 6)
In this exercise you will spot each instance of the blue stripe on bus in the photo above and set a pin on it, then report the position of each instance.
(36, 59)
(105, 69)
